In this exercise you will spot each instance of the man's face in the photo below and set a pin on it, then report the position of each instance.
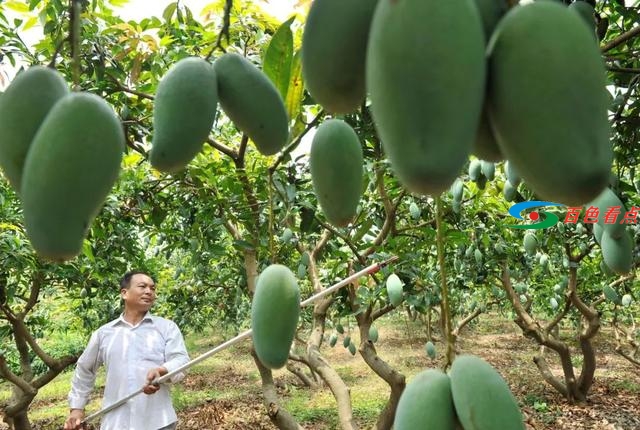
(141, 293)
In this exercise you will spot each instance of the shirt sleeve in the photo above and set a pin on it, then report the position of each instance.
(175, 352)
(85, 374)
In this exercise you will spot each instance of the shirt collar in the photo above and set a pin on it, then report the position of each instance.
(121, 320)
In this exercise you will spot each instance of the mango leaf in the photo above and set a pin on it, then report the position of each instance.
(169, 11)
(278, 56)
(17, 6)
(295, 92)
(30, 23)
(87, 251)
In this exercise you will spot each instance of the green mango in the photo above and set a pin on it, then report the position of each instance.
(414, 210)
(184, 110)
(346, 341)
(73, 162)
(352, 348)
(548, 104)
(426, 100)
(430, 348)
(426, 403)
(339, 328)
(626, 300)
(605, 200)
(488, 169)
(287, 235)
(336, 162)
(252, 102)
(394, 289)
(512, 174)
(373, 334)
(23, 106)
(333, 340)
(611, 294)
(457, 190)
(275, 310)
(475, 169)
(482, 399)
(553, 302)
(334, 48)
(509, 191)
(530, 243)
(485, 146)
(587, 13)
(617, 253)
(597, 232)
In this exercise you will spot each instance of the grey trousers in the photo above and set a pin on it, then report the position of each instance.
(170, 426)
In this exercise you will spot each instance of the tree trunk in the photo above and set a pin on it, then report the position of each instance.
(279, 416)
(392, 377)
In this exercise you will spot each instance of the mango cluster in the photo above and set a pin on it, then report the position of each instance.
(447, 79)
(472, 396)
(61, 152)
(186, 103)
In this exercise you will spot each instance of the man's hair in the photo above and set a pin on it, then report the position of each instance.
(125, 282)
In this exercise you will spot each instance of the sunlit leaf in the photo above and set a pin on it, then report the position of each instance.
(295, 91)
(278, 57)
(17, 6)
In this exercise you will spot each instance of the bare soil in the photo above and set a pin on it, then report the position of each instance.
(614, 402)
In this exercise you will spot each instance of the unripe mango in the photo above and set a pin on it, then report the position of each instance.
(426, 403)
(605, 201)
(394, 289)
(23, 107)
(334, 47)
(336, 163)
(425, 74)
(617, 253)
(274, 315)
(183, 113)
(485, 146)
(71, 166)
(482, 399)
(548, 103)
(252, 102)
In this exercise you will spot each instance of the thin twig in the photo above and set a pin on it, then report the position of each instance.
(224, 31)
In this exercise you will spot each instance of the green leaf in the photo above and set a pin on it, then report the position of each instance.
(364, 229)
(17, 6)
(295, 91)
(87, 251)
(169, 11)
(278, 57)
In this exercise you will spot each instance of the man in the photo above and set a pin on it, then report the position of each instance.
(136, 349)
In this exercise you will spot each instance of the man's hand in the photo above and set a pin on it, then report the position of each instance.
(73, 421)
(152, 375)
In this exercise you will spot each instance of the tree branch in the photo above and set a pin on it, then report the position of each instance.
(222, 148)
(7, 374)
(294, 144)
(621, 39)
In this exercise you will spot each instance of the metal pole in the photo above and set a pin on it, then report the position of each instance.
(369, 270)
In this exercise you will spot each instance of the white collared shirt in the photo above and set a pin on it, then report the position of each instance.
(129, 352)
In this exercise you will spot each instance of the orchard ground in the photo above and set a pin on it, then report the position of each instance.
(223, 392)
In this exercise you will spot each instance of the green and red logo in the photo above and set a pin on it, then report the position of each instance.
(545, 219)
(548, 220)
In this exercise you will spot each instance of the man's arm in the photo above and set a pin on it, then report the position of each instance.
(83, 381)
(175, 352)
